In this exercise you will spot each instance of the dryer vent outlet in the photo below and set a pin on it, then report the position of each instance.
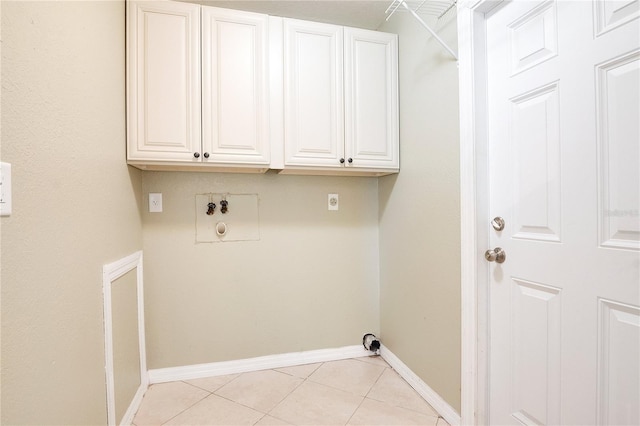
(371, 342)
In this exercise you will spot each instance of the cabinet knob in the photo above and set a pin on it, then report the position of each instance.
(350, 160)
(206, 155)
(342, 161)
(196, 154)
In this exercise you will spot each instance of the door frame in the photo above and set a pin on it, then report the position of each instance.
(474, 208)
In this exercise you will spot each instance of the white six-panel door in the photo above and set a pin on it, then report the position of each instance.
(564, 164)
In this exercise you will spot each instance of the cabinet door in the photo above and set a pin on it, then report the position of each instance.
(371, 99)
(235, 86)
(314, 112)
(163, 81)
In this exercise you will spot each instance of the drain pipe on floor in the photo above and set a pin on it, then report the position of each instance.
(371, 343)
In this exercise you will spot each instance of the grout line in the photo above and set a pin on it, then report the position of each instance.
(304, 380)
(262, 418)
(197, 387)
(368, 392)
(355, 411)
(189, 407)
(292, 390)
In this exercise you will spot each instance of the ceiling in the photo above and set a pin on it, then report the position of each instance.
(352, 13)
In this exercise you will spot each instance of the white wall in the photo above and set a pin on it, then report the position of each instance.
(311, 282)
(75, 204)
(420, 214)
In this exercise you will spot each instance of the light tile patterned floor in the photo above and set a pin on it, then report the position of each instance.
(359, 391)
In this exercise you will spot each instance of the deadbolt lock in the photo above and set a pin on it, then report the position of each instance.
(497, 223)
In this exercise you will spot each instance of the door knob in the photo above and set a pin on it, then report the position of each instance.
(496, 255)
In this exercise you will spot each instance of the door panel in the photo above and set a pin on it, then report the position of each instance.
(533, 37)
(314, 111)
(617, 118)
(234, 86)
(163, 51)
(611, 14)
(371, 93)
(535, 130)
(536, 319)
(618, 370)
(564, 161)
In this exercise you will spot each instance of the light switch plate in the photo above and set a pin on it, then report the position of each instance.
(5, 189)
(155, 202)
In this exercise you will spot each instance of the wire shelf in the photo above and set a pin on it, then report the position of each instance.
(437, 8)
(425, 7)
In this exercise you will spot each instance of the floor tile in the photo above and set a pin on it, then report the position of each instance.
(393, 390)
(373, 412)
(215, 410)
(212, 384)
(316, 404)
(261, 390)
(442, 422)
(163, 401)
(271, 421)
(302, 371)
(373, 359)
(348, 375)
(330, 393)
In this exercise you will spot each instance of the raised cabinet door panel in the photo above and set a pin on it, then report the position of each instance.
(371, 99)
(313, 94)
(163, 81)
(235, 86)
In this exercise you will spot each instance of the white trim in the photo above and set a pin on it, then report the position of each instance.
(276, 92)
(110, 273)
(474, 212)
(468, 243)
(198, 371)
(127, 418)
(268, 362)
(432, 397)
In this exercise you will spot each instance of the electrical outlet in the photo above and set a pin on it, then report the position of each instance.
(333, 202)
(155, 202)
(5, 189)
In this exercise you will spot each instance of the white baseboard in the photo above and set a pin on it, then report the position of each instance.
(440, 405)
(127, 419)
(198, 371)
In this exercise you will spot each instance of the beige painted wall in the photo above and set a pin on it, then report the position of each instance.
(420, 215)
(75, 204)
(311, 282)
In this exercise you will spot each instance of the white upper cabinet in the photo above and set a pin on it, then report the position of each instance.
(341, 100)
(168, 84)
(235, 95)
(313, 94)
(214, 89)
(371, 99)
(163, 81)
